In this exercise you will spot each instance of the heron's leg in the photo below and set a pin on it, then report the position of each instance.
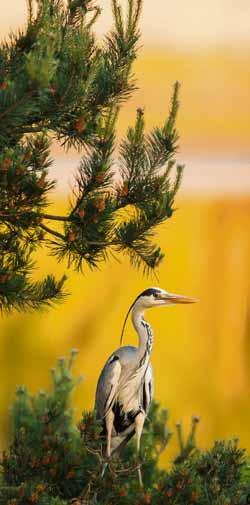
(139, 422)
(109, 420)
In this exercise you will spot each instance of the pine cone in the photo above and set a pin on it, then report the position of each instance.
(100, 204)
(80, 124)
(6, 164)
(4, 85)
(81, 213)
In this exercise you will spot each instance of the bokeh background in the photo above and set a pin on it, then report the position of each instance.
(201, 355)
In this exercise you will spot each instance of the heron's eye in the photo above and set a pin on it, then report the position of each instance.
(156, 295)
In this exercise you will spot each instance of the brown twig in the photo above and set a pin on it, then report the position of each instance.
(52, 232)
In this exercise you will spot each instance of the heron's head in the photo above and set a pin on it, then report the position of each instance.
(155, 297)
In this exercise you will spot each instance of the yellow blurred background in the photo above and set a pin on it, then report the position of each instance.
(201, 355)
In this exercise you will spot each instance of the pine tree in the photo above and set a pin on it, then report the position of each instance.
(51, 461)
(58, 83)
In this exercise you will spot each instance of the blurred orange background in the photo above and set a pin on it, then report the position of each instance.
(201, 354)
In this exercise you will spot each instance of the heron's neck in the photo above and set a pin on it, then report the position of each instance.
(144, 332)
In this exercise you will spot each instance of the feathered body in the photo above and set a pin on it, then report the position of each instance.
(125, 386)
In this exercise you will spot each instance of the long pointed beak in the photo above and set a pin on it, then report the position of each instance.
(173, 298)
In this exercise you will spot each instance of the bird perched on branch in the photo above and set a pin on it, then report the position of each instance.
(125, 387)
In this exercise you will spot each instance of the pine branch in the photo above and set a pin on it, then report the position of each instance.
(58, 82)
(134, 237)
(17, 292)
(51, 461)
(190, 446)
(52, 232)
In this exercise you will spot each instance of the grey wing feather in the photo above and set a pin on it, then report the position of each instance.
(107, 386)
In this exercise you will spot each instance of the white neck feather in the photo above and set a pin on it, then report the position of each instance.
(143, 330)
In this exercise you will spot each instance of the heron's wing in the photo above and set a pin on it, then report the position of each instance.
(107, 386)
(148, 389)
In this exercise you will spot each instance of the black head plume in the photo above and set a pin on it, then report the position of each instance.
(126, 318)
(146, 292)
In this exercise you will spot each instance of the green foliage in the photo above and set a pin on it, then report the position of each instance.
(53, 462)
(58, 83)
(24, 185)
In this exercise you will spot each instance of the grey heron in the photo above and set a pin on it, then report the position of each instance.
(125, 387)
